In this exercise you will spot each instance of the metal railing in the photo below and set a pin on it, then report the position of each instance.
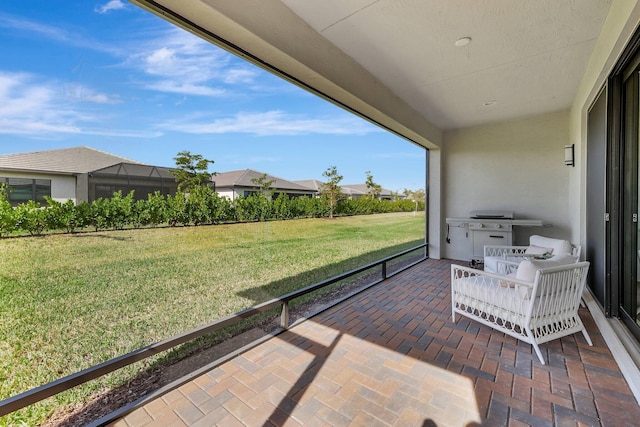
(37, 394)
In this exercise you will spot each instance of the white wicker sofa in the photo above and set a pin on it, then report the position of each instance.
(538, 245)
(534, 309)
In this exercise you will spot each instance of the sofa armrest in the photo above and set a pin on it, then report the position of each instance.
(480, 276)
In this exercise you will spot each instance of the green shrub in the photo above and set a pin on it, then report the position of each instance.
(63, 216)
(7, 218)
(120, 210)
(140, 216)
(97, 214)
(198, 209)
(31, 218)
(177, 213)
(201, 206)
(214, 208)
(83, 215)
(240, 208)
(156, 206)
(282, 207)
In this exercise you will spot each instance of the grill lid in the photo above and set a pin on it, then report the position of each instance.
(491, 214)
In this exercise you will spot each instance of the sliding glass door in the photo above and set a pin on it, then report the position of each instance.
(629, 308)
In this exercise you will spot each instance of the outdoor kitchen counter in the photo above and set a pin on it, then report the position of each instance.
(518, 222)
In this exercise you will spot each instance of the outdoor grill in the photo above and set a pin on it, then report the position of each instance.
(489, 227)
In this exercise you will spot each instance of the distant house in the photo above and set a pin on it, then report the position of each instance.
(355, 191)
(314, 184)
(245, 182)
(79, 174)
(351, 191)
(86, 174)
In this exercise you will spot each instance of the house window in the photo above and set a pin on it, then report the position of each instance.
(21, 190)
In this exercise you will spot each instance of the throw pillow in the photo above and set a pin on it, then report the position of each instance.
(558, 246)
(527, 269)
(537, 250)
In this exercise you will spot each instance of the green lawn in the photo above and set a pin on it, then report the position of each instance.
(68, 302)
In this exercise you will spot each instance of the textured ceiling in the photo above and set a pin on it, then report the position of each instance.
(526, 56)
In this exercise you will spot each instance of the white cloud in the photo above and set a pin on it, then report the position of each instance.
(48, 32)
(170, 60)
(37, 108)
(239, 76)
(179, 62)
(121, 133)
(21, 24)
(185, 88)
(81, 93)
(110, 6)
(274, 123)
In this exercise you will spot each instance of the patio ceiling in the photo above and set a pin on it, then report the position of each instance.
(525, 57)
(398, 58)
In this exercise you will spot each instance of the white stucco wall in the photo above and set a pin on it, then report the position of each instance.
(63, 187)
(517, 166)
(228, 193)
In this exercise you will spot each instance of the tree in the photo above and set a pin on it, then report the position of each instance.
(418, 196)
(331, 189)
(373, 189)
(265, 186)
(192, 171)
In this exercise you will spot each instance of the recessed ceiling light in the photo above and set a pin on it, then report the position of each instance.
(489, 103)
(463, 41)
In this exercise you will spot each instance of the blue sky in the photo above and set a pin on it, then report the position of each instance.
(111, 76)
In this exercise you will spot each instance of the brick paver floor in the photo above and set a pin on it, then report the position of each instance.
(391, 356)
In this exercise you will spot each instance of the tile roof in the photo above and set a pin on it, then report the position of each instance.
(244, 177)
(351, 190)
(64, 160)
(313, 184)
(362, 189)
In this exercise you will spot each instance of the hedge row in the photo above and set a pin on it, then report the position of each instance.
(203, 206)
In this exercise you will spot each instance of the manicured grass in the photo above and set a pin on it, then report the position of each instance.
(68, 302)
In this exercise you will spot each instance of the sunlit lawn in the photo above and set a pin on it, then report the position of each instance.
(68, 302)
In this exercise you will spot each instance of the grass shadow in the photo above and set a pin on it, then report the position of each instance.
(284, 286)
(176, 363)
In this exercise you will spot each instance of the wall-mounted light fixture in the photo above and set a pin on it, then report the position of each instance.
(569, 155)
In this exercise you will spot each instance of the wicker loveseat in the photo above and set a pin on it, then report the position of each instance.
(535, 310)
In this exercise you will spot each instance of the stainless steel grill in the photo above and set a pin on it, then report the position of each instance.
(490, 228)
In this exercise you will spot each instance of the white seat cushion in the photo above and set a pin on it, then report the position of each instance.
(527, 269)
(557, 246)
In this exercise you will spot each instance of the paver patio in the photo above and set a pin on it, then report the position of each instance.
(391, 356)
